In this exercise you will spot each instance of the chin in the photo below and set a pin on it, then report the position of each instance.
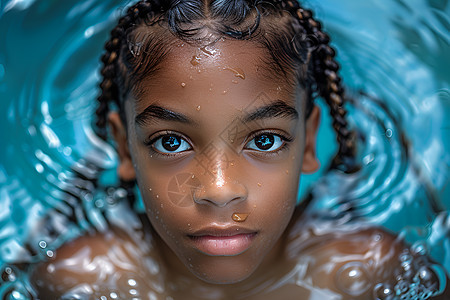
(224, 270)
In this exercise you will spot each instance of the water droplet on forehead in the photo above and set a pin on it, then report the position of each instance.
(195, 60)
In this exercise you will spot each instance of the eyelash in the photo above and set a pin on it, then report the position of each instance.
(151, 142)
(153, 152)
(286, 142)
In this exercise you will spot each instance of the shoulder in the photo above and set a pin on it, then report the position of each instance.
(95, 264)
(367, 263)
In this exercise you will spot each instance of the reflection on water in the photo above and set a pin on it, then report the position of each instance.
(394, 59)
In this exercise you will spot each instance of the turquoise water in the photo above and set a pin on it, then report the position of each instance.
(395, 51)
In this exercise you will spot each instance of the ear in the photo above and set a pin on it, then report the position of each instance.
(310, 162)
(125, 170)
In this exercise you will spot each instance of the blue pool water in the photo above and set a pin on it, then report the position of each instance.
(396, 52)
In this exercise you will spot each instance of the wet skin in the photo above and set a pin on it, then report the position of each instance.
(255, 172)
(202, 249)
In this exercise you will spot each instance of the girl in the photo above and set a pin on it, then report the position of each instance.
(211, 106)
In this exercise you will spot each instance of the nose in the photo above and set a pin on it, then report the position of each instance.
(221, 195)
(221, 192)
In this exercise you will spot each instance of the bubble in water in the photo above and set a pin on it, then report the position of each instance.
(383, 291)
(43, 244)
(132, 282)
(353, 279)
(8, 274)
(419, 248)
(388, 133)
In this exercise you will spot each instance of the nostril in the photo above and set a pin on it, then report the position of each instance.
(220, 196)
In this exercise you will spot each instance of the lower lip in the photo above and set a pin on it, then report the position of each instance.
(223, 245)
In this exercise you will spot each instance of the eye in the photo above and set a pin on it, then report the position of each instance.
(171, 143)
(266, 142)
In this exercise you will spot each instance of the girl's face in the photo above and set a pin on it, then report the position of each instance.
(217, 145)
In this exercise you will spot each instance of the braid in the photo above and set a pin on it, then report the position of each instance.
(324, 70)
(322, 78)
(110, 89)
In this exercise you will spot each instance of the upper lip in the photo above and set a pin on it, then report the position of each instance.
(222, 231)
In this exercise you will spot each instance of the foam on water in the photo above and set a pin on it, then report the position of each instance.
(394, 58)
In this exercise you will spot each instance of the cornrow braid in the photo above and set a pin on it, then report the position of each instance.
(324, 69)
(109, 86)
(322, 78)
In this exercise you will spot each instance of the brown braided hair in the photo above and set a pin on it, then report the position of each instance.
(298, 43)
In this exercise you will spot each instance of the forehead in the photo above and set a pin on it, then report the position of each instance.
(234, 71)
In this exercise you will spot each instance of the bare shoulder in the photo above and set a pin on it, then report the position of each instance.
(98, 264)
(370, 263)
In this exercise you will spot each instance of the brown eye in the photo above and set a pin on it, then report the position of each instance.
(171, 144)
(266, 142)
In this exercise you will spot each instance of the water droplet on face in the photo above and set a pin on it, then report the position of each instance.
(287, 171)
(259, 184)
(157, 196)
(234, 81)
(183, 84)
(238, 72)
(254, 206)
(224, 92)
(195, 60)
(198, 107)
(239, 217)
(353, 279)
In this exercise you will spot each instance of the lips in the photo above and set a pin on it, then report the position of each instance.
(229, 241)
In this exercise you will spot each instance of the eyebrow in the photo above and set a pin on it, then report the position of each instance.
(153, 112)
(277, 109)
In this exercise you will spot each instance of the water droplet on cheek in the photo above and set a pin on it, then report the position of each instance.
(259, 184)
(198, 108)
(183, 84)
